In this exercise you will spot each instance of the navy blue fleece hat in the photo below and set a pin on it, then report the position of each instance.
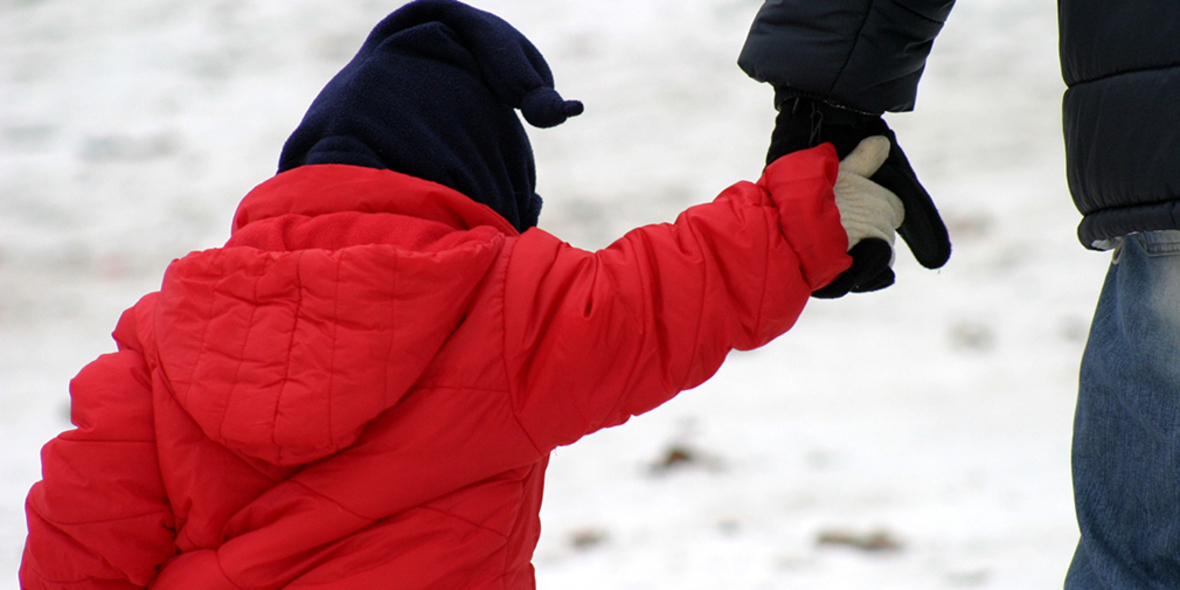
(432, 93)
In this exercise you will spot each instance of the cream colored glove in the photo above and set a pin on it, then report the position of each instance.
(870, 215)
(867, 210)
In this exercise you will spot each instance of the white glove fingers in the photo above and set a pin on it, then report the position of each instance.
(867, 157)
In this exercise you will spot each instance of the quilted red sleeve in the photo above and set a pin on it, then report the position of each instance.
(99, 518)
(594, 338)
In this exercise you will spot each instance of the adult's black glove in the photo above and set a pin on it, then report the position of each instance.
(870, 270)
(803, 123)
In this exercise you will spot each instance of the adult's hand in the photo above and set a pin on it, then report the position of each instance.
(804, 122)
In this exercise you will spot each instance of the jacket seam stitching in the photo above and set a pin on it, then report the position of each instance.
(387, 363)
(307, 487)
(1125, 72)
(772, 230)
(332, 356)
(274, 422)
(916, 13)
(460, 388)
(41, 573)
(1131, 208)
(61, 523)
(511, 389)
(504, 566)
(221, 568)
(204, 334)
(241, 361)
(54, 580)
(465, 520)
(622, 400)
(64, 437)
(852, 49)
(706, 283)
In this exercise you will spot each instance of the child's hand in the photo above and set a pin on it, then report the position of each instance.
(870, 215)
(867, 209)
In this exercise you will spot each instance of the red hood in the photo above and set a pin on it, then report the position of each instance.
(335, 292)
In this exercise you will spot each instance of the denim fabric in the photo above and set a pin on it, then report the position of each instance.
(1126, 447)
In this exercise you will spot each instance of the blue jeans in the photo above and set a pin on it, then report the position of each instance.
(1126, 446)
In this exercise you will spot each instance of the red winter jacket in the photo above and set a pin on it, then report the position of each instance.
(362, 388)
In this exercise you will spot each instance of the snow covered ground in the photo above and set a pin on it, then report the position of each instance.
(934, 415)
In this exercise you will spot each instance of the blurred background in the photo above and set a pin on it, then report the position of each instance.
(916, 438)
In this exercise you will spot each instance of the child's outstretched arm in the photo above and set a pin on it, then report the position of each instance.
(594, 338)
(100, 518)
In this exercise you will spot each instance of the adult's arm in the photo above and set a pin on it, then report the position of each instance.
(865, 55)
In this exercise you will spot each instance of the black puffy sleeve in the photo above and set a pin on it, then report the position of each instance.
(866, 55)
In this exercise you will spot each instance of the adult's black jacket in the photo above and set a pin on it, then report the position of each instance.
(1120, 60)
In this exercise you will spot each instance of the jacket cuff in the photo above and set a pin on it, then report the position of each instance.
(783, 94)
(800, 184)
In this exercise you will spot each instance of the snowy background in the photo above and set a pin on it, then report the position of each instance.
(931, 420)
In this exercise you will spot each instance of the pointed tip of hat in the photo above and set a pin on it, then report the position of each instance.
(544, 107)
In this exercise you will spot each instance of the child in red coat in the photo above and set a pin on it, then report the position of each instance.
(361, 388)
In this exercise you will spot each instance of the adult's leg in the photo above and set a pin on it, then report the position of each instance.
(1126, 446)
